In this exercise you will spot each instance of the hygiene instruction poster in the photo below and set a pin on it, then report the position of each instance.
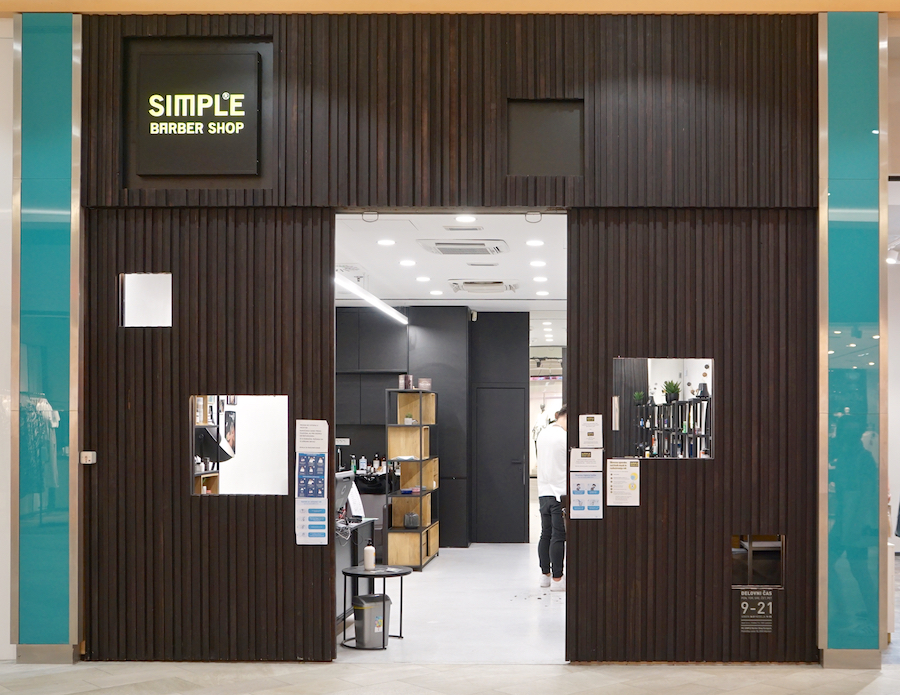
(586, 495)
(311, 476)
(623, 482)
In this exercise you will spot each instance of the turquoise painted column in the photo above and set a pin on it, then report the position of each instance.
(854, 534)
(44, 315)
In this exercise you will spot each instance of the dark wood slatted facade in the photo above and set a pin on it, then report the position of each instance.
(653, 583)
(171, 576)
(410, 110)
(693, 235)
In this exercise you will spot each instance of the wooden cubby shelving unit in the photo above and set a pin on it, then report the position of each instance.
(409, 446)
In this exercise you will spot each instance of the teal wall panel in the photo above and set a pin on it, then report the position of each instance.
(853, 312)
(45, 263)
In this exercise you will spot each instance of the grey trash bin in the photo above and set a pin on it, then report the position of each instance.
(372, 619)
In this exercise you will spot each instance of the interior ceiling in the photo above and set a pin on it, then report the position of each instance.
(853, 346)
(377, 267)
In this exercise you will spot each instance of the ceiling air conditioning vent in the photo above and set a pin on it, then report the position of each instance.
(465, 247)
(353, 272)
(451, 228)
(484, 286)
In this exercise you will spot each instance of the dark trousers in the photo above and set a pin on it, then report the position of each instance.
(552, 546)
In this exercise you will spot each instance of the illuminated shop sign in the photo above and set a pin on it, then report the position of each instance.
(197, 114)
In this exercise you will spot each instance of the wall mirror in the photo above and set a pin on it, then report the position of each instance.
(240, 445)
(664, 408)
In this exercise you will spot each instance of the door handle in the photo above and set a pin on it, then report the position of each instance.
(517, 461)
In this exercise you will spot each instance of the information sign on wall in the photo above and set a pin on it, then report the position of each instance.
(197, 114)
(755, 610)
(311, 476)
(623, 483)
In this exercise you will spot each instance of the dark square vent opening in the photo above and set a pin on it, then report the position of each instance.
(546, 138)
(757, 560)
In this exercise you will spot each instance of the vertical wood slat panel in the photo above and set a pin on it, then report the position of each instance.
(170, 575)
(680, 111)
(656, 136)
(761, 335)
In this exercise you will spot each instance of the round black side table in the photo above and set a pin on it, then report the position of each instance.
(384, 572)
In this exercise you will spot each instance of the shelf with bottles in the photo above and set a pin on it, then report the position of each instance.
(678, 429)
(206, 483)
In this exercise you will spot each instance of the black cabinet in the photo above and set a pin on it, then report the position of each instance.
(359, 398)
(347, 399)
(383, 345)
(371, 397)
(368, 341)
(346, 343)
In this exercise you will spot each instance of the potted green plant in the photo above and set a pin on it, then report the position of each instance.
(408, 420)
(638, 397)
(672, 389)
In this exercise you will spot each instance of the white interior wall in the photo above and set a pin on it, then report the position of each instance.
(548, 394)
(662, 370)
(7, 650)
(694, 370)
(259, 466)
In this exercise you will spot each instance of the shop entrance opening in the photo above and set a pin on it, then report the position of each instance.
(449, 357)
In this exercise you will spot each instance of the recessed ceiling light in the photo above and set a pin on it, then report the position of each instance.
(540, 279)
(542, 293)
(550, 339)
(855, 367)
(423, 279)
(538, 264)
(837, 332)
(386, 242)
(851, 344)
(535, 242)
(876, 337)
(465, 218)
(871, 364)
(831, 352)
(407, 263)
(548, 323)
(436, 292)
(548, 330)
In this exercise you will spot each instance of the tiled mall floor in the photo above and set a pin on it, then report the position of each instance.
(424, 679)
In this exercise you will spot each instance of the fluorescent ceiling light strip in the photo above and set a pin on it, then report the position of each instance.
(351, 286)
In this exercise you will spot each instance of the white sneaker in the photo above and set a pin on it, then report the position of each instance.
(558, 585)
(545, 581)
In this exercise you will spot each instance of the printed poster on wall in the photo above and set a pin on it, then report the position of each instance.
(311, 476)
(590, 431)
(623, 482)
(586, 495)
(586, 460)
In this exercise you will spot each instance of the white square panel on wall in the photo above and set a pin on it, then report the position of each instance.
(145, 300)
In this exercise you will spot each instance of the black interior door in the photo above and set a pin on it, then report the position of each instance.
(501, 472)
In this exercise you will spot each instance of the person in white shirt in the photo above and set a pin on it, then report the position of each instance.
(552, 445)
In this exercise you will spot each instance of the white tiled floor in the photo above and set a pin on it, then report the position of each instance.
(424, 679)
(490, 630)
(475, 605)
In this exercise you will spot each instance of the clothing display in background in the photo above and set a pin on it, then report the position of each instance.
(38, 421)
